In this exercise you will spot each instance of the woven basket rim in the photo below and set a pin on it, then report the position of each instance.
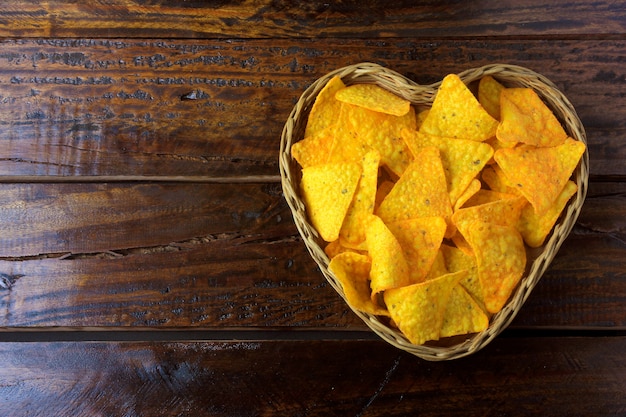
(539, 259)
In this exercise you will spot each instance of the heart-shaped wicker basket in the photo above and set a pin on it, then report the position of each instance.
(538, 259)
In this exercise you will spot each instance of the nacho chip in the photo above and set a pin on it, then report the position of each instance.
(374, 130)
(526, 119)
(327, 191)
(325, 108)
(362, 207)
(352, 270)
(456, 260)
(418, 309)
(457, 113)
(469, 192)
(383, 189)
(462, 159)
(501, 260)
(463, 315)
(389, 267)
(439, 266)
(315, 149)
(420, 240)
(489, 95)
(347, 146)
(534, 228)
(374, 97)
(420, 117)
(420, 192)
(496, 181)
(540, 173)
(504, 212)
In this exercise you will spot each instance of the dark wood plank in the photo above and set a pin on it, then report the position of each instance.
(78, 218)
(512, 376)
(304, 19)
(228, 255)
(93, 107)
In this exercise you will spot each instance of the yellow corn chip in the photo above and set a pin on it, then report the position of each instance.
(420, 117)
(462, 159)
(439, 267)
(501, 260)
(463, 315)
(489, 95)
(420, 192)
(352, 270)
(314, 150)
(418, 309)
(348, 145)
(389, 267)
(327, 190)
(469, 192)
(374, 97)
(496, 181)
(540, 173)
(534, 228)
(362, 207)
(383, 189)
(458, 260)
(526, 119)
(420, 240)
(325, 108)
(457, 113)
(504, 212)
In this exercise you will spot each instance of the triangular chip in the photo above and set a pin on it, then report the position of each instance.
(496, 181)
(489, 95)
(471, 190)
(501, 259)
(389, 267)
(463, 315)
(540, 173)
(353, 272)
(327, 191)
(439, 266)
(315, 149)
(462, 159)
(418, 309)
(362, 207)
(374, 97)
(361, 129)
(456, 260)
(325, 108)
(348, 146)
(535, 229)
(420, 240)
(457, 113)
(526, 119)
(504, 212)
(420, 192)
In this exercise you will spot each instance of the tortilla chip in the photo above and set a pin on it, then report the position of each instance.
(362, 207)
(439, 266)
(540, 173)
(527, 119)
(352, 270)
(469, 192)
(389, 267)
(420, 192)
(314, 150)
(457, 113)
(456, 260)
(534, 228)
(463, 315)
(501, 260)
(489, 95)
(420, 240)
(374, 97)
(496, 181)
(327, 191)
(418, 309)
(462, 159)
(325, 108)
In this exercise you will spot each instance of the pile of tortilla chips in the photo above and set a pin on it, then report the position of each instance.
(428, 212)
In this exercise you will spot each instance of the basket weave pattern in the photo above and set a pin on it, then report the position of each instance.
(538, 259)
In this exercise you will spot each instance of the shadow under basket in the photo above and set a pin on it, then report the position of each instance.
(538, 259)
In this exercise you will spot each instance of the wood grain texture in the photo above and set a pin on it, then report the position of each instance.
(304, 19)
(558, 376)
(216, 108)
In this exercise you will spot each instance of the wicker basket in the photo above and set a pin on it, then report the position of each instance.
(538, 259)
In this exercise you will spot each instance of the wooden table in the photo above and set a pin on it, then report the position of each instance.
(149, 264)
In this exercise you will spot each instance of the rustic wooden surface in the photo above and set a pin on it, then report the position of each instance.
(149, 264)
